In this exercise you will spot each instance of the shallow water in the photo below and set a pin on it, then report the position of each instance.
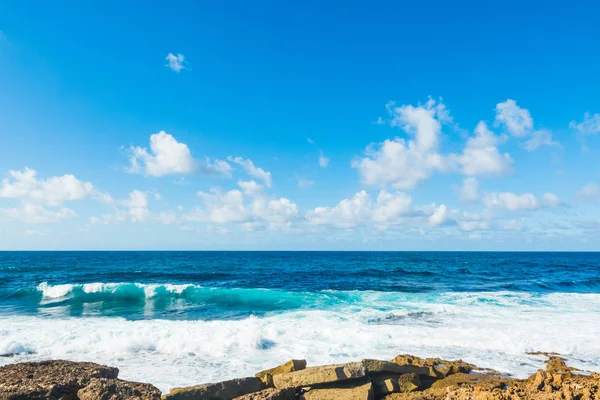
(180, 318)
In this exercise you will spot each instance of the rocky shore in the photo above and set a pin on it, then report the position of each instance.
(403, 378)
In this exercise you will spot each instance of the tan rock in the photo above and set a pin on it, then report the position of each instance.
(323, 374)
(391, 383)
(267, 375)
(438, 368)
(49, 380)
(376, 366)
(271, 394)
(362, 391)
(116, 389)
(225, 390)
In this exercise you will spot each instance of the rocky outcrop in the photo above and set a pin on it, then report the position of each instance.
(376, 366)
(271, 394)
(320, 375)
(117, 389)
(392, 383)
(49, 380)
(291, 366)
(347, 391)
(225, 390)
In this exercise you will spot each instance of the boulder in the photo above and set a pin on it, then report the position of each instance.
(391, 383)
(116, 389)
(318, 375)
(267, 375)
(377, 366)
(49, 380)
(271, 394)
(348, 391)
(438, 368)
(225, 390)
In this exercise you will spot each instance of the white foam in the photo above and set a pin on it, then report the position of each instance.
(492, 330)
(55, 291)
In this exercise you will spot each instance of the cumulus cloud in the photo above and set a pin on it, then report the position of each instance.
(135, 209)
(346, 214)
(481, 155)
(517, 120)
(404, 163)
(590, 125)
(24, 185)
(37, 214)
(175, 62)
(253, 170)
(439, 216)
(167, 156)
(469, 190)
(323, 161)
(511, 201)
(540, 138)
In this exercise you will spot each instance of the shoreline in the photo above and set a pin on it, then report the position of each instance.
(405, 377)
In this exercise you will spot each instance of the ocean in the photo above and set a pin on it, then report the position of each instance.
(184, 318)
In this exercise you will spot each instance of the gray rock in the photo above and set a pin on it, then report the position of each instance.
(116, 389)
(225, 390)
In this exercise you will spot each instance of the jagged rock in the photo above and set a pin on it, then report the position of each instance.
(393, 383)
(225, 390)
(317, 375)
(270, 394)
(267, 375)
(376, 366)
(346, 391)
(438, 368)
(49, 380)
(117, 389)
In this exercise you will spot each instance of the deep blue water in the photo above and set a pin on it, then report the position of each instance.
(225, 285)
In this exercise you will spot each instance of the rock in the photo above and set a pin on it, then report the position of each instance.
(49, 380)
(438, 368)
(290, 366)
(225, 390)
(116, 389)
(375, 366)
(323, 374)
(360, 391)
(271, 394)
(392, 383)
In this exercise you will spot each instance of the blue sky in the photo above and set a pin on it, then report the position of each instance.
(361, 125)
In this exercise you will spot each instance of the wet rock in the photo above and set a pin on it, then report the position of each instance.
(271, 394)
(267, 375)
(49, 380)
(318, 375)
(225, 390)
(345, 391)
(116, 389)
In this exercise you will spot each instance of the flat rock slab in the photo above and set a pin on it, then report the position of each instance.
(361, 392)
(225, 390)
(293, 365)
(116, 389)
(49, 380)
(271, 394)
(376, 366)
(319, 375)
(391, 383)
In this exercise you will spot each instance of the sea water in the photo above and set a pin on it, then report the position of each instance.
(184, 318)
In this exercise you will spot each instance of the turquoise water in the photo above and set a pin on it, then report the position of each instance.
(176, 318)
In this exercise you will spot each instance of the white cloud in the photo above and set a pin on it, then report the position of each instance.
(348, 213)
(590, 125)
(589, 192)
(439, 216)
(253, 170)
(175, 62)
(166, 156)
(250, 187)
(540, 138)
(404, 163)
(304, 183)
(469, 190)
(323, 161)
(517, 120)
(218, 168)
(36, 214)
(511, 201)
(135, 209)
(481, 156)
(390, 207)
(551, 200)
(54, 191)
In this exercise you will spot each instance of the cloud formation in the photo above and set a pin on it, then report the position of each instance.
(175, 62)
